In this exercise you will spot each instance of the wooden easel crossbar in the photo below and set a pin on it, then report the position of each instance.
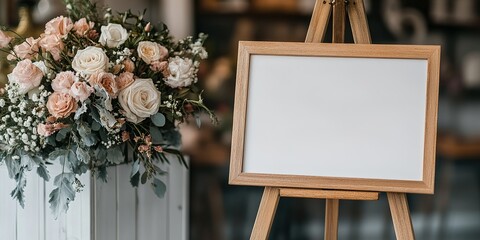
(322, 12)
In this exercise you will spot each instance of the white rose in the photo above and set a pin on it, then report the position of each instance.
(151, 51)
(139, 100)
(182, 72)
(113, 35)
(199, 50)
(90, 60)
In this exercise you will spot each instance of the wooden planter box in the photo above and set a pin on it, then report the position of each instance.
(102, 211)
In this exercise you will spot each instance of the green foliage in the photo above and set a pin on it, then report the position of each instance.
(159, 120)
(159, 187)
(61, 196)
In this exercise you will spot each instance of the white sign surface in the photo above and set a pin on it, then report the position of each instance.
(336, 117)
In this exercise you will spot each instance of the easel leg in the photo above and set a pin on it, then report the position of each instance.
(266, 213)
(331, 219)
(401, 216)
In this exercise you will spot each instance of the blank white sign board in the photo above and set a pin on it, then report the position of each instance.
(336, 116)
(305, 117)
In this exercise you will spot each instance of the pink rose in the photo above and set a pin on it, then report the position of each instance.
(26, 75)
(63, 82)
(28, 49)
(158, 66)
(61, 105)
(59, 26)
(106, 81)
(81, 91)
(52, 44)
(82, 27)
(148, 27)
(45, 129)
(4, 39)
(124, 80)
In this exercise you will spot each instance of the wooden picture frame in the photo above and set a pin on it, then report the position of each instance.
(248, 49)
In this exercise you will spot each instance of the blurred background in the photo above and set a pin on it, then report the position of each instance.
(220, 211)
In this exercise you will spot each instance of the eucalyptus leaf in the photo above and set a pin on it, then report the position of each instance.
(135, 168)
(135, 179)
(57, 153)
(156, 134)
(102, 173)
(82, 155)
(144, 178)
(159, 187)
(115, 155)
(96, 126)
(61, 196)
(13, 166)
(83, 109)
(158, 119)
(62, 134)
(18, 191)
(42, 171)
(86, 134)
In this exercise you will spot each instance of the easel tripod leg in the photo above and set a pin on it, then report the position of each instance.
(331, 219)
(266, 213)
(401, 216)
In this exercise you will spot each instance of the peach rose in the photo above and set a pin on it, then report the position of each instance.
(61, 105)
(63, 82)
(158, 66)
(106, 81)
(45, 129)
(4, 39)
(27, 49)
(52, 44)
(129, 66)
(125, 136)
(151, 51)
(59, 26)
(124, 80)
(26, 75)
(81, 91)
(82, 27)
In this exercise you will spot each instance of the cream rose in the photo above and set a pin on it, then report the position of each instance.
(52, 44)
(61, 105)
(26, 75)
(140, 100)
(182, 72)
(63, 82)
(81, 91)
(113, 35)
(4, 39)
(151, 51)
(59, 26)
(90, 60)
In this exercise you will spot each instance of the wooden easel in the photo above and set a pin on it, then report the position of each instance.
(271, 195)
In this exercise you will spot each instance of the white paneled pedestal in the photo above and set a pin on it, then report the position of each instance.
(102, 211)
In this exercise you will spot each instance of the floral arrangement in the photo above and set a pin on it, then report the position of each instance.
(96, 89)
